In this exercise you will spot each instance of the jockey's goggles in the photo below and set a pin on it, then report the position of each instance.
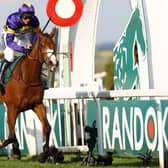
(27, 16)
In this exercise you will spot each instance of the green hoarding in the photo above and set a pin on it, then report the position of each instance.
(130, 55)
(130, 127)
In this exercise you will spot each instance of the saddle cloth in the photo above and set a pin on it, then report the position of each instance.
(8, 72)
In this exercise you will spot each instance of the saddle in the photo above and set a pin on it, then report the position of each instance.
(8, 72)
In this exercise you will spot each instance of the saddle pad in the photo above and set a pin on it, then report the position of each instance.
(9, 70)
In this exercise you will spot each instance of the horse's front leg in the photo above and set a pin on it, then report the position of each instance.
(11, 120)
(40, 110)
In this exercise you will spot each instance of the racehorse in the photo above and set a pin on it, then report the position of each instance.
(24, 89)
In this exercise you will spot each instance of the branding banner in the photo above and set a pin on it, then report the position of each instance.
(128, 127)
(130, 55)
(131, 127)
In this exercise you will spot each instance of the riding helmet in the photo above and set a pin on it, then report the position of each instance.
(26, 7)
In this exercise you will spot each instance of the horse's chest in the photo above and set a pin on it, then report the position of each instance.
(31, 97)
(34, 94)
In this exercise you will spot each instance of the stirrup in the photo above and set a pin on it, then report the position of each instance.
(2, 84)
(1, 80)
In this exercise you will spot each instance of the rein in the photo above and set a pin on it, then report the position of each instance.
(40, 60)
(34, 59)
(20, 78)
(41, 52)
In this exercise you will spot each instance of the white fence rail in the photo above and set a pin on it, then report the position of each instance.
(70, 126)
(83, 93)
(68, 131)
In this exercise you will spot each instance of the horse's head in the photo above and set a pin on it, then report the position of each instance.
(47, 47)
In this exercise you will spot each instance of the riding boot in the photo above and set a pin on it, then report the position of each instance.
(2, 70)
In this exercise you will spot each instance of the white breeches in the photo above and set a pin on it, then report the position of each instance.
(9, 54)
(22, 40)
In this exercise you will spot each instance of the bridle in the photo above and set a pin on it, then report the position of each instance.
(42, 52)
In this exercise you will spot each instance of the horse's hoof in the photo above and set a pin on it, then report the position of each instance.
(14, 157)
(16, 154)
(42, 157)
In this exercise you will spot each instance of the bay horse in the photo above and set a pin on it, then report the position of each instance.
(24, 89)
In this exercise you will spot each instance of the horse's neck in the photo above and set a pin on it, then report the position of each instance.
(31, 70)
(30, 67)
(35, 53)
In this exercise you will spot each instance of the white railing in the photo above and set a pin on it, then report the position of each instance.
(71, 126)
(86, 92)
(72, 103)
(83, 93)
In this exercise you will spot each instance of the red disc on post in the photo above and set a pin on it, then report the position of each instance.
(61, 21)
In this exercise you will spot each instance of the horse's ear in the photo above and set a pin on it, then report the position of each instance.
(38, 31)
(53, 32)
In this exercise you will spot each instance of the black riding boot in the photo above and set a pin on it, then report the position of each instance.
(2, 70)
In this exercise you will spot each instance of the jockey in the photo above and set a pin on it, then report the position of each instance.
(18, 34)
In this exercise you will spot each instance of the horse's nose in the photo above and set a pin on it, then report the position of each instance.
(53, 60)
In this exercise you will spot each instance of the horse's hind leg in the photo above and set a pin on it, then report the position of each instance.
(40, 110)
(16, 152)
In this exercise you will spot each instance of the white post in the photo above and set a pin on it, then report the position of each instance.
(99, 128)
(83, 36)
(81, 120)
(59, 121)
(74, 123)
(160, 137)
(65, 77)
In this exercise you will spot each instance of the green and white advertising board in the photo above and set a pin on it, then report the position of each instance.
(132, 126)
(130, 55)
(139, 63)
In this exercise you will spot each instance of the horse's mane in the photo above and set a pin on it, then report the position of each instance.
(46, 35)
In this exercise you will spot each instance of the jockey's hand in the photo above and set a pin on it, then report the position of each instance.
(27, 51)
(29, 46)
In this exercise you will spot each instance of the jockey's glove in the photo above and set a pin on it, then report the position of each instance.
(27, 51)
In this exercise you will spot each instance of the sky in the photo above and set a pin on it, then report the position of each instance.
(113, 17)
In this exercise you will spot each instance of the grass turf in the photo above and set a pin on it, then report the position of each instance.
(31, 162)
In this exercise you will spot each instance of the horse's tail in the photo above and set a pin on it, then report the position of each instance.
(1, 54)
